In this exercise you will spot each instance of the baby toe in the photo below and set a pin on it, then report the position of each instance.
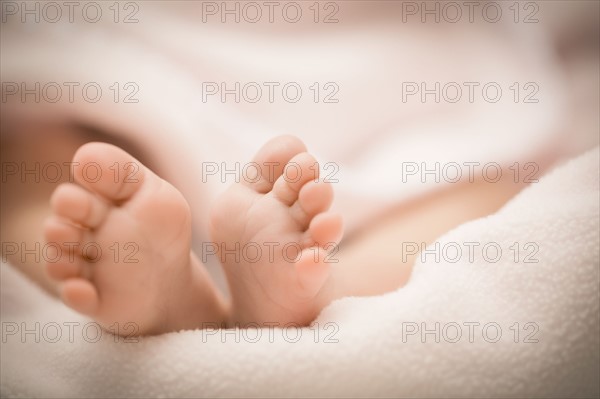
(312, 270)
(326, 229)
(298, 171)
(78, 205)
(314, 198)
(108, 171)
(271, 160)
(80, 295)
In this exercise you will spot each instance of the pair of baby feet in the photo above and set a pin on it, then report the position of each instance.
(123, 239)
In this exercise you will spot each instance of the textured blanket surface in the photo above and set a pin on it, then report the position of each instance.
(516, 316)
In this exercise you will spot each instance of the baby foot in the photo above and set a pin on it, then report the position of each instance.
(278, 226)
(124, 236)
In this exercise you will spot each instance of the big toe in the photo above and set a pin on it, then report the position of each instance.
(108, 171)
(271, 160)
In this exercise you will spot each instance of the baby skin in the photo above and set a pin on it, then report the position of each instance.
(125, 244)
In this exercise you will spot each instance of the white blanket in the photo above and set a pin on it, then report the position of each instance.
(366, 346)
